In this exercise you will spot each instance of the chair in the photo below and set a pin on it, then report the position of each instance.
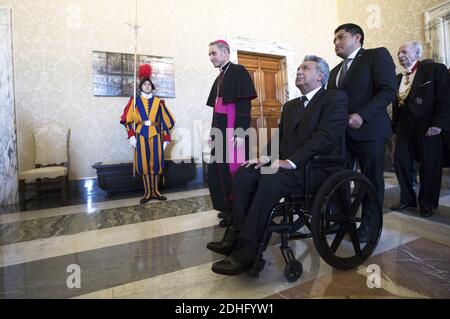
(331, 208)
(51, 163)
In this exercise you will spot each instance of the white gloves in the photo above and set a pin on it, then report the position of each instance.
(147, 123)
(133, 141)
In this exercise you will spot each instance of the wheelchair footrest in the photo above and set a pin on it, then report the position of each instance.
(296, 236)
(258, 266)
(280, 228)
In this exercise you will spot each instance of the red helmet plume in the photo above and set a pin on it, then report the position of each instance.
(145, 71)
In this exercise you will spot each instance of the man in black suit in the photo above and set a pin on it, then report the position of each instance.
(368, 77)
(310, 125)
(420, 114)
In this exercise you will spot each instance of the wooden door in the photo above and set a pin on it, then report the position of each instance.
(268, 74)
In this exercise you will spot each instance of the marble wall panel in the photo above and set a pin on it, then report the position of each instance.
(8, 141)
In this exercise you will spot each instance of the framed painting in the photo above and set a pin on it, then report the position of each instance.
(113, 74)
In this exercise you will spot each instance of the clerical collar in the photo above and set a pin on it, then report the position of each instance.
(225, 66)
(413, 68)
(147, 96)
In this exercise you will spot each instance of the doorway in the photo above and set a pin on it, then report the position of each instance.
(268, 73)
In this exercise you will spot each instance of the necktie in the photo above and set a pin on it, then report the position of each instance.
(344, 70)
(408, 78)
(301, 106)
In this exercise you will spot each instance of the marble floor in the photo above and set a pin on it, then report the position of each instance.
(120, 249)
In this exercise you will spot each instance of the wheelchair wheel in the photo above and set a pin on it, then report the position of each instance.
(293, 270)
(347, 220)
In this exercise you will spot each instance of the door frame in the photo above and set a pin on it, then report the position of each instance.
(436, 36)
(264, 47)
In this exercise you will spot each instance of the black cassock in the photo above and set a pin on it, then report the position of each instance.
(233, 85)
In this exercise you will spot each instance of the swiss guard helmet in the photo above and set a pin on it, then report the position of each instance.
(145, 73)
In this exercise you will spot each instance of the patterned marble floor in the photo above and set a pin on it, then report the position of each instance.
(125, 250)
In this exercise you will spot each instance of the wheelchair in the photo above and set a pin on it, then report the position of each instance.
(335, 203)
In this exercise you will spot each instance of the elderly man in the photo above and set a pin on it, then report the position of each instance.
(310, 125)
(420, 113)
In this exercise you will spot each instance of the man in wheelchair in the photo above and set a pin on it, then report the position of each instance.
(310, 125)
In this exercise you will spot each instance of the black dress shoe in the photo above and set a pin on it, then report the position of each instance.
(363, 234)
(228, 243)
(221, 247)
(222, 215)
(426, 212)
(226, 222)
(363, 237)
(401, 207)
(231, 267)
(333, 228)
(159, 197)
(144, 200)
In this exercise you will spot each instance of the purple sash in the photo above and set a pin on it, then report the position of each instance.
(236, 155)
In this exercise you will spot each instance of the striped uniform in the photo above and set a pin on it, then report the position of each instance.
(149, 153)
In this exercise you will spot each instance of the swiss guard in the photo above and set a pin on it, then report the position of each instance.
(148, 122)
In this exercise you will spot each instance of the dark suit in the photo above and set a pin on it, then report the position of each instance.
(427, 105)
(316, 130)
(371, 86)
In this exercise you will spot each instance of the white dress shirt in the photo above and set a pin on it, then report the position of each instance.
(309, 97)
(406, 86)
(265, 159)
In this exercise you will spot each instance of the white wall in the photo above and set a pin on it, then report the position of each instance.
(389, 23)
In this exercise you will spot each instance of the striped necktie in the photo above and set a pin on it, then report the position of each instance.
(344, 70)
